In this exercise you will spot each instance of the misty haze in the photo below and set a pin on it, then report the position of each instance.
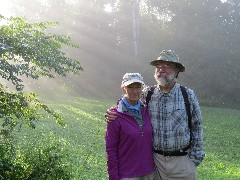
(115, 37)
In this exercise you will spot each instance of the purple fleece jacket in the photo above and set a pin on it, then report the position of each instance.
(129, 149)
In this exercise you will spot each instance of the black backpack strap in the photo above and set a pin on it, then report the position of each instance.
(187, 105)
(149, 94)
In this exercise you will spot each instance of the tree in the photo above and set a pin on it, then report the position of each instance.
(27, 50)
(114, 33)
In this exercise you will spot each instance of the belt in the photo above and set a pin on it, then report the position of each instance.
(173, 153)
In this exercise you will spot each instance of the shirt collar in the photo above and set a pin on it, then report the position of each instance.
(171, 92)
(121, 107)
(129, 106)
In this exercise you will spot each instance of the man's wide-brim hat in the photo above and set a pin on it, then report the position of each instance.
(169, 56)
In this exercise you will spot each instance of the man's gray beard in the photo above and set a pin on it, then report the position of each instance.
(164, 80)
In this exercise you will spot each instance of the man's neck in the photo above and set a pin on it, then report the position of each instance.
(167, 88)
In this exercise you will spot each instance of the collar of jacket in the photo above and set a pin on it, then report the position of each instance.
(120, 105)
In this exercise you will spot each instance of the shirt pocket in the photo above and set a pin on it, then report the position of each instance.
(178, 121)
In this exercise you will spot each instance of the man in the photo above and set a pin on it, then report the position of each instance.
(177, 127)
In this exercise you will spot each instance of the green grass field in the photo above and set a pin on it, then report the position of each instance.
(84, 137)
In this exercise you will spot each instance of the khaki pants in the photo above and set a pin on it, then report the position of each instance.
(146, 177)
(174, 168)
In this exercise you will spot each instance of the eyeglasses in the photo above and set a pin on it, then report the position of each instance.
(165, 66)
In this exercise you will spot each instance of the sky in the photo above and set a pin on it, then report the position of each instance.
(5, 8)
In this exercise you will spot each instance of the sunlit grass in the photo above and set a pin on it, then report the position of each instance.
(222, 144)
(85, 132)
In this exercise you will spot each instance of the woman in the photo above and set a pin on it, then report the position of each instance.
(129, 137)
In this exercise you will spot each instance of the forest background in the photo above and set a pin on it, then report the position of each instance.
(115, 37)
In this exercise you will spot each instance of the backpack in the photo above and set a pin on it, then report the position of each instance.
(186, 102)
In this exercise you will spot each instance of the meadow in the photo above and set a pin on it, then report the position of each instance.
(83, 139)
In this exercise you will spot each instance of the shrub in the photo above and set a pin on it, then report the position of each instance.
(45, 159)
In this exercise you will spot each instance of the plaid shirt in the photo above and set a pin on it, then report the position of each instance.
(170, 122)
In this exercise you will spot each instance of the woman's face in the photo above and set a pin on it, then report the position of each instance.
(133, 92)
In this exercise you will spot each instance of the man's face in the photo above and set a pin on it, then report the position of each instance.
(165, 73)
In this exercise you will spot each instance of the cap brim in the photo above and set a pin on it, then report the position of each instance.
(179, 65)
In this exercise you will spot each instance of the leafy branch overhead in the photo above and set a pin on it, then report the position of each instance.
(28, 50)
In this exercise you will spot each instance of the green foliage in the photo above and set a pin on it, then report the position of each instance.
(18, 108)
(34, 159)
(27, 50)
(6, 150)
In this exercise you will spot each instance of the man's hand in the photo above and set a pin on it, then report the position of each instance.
(110, 116)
